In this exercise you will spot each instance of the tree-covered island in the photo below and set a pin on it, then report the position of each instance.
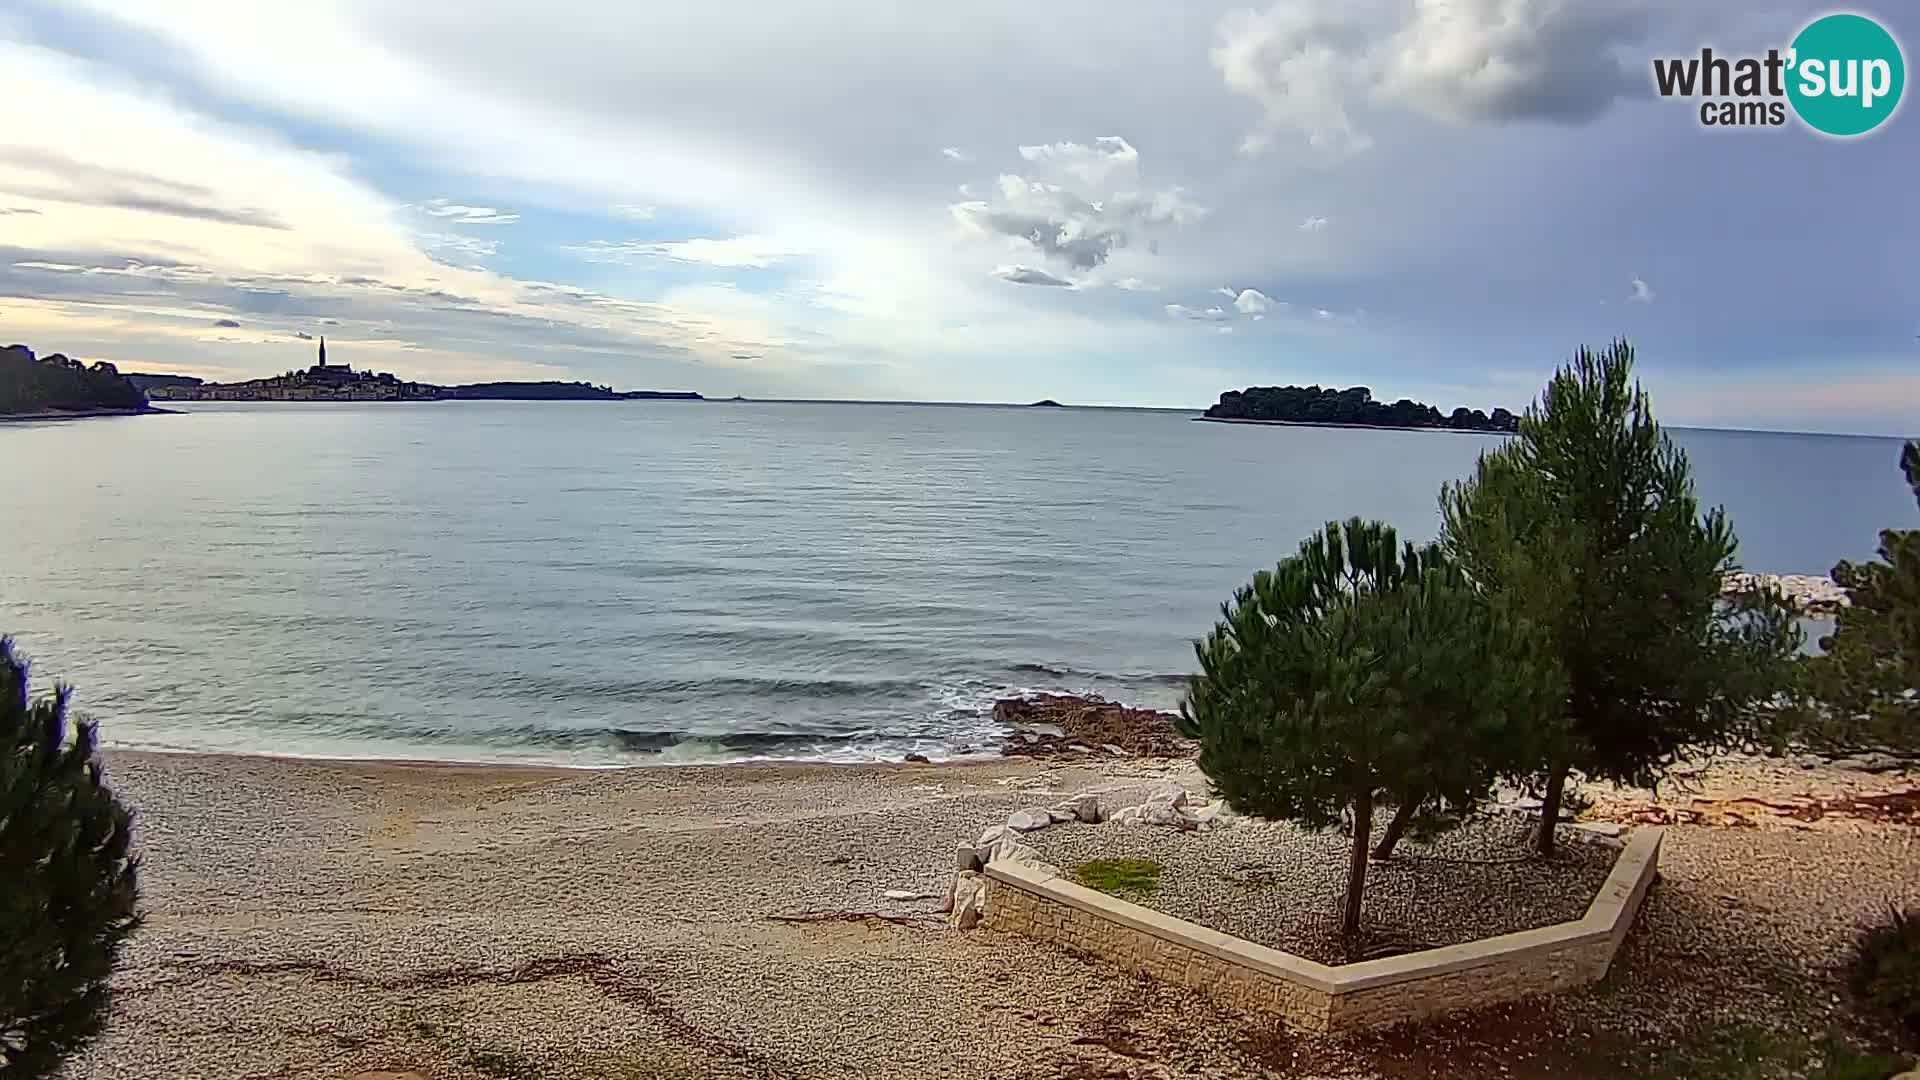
(1353, 407)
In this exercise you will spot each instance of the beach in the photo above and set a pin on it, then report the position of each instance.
(343, 919)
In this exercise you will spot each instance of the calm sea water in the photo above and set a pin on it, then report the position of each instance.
(599, 583)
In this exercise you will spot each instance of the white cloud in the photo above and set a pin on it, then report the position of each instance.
(455, 243)
(634, 211)
(737, 252)
(1084, 205)
(954, 153)
(1211, 314)
(1313, 224)
(1134, 284)
(1094, 166)
(1223, 329)
(1027, 275)
(457, 214)
(1641, 292)
(1252, 302)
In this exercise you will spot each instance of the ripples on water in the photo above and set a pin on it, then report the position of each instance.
(606, 583)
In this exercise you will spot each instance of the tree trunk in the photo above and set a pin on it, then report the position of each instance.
(1402, 815)
(1357, 866)
(1550, 808)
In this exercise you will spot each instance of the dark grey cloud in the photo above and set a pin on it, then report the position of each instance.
(227, 323)
(86, 184)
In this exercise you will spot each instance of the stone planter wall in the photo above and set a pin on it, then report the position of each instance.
(1039, 902)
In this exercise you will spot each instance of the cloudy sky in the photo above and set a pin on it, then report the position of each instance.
(1118, 202)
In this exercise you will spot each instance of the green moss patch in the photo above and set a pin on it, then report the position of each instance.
(1120, 877)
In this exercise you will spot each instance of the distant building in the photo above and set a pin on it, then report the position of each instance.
(321, 382)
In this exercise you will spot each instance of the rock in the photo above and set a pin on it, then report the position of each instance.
(1127, 815)
(1112, 749)
(1091, 720)
(990, 837)
(1527, 803)
(1031, 820)
(1010, 849)
(969, 901)
(1161, 813)
(1871, 762)
(1809, 761)
(1213, 815)
(1083, 808)
(1172, 794)
(909, 894)
(919, 759)
(1062, 815)
(966, 857)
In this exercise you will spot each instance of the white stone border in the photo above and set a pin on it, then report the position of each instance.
(1319, 997)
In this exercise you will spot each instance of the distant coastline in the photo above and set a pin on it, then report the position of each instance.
(79, 414)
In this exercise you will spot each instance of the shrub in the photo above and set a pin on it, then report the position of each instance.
(1359, 672)
(1866, 686)
(70, 894)
(1886, 967)
(1588, 522)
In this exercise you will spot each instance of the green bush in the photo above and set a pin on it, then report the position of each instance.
(68, 901)
(1361, 672)
(1886, 967)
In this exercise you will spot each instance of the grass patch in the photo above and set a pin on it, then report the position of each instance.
(1120, 877)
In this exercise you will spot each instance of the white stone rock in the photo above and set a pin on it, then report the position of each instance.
(1112, 749)
(907, 894)
(1127, 815)
(1030, 820)
(1011, 850)
(969, 901)
(1084, 808)
(1171, 794)
(1062, 816)
(990, 837)
(1161, 813)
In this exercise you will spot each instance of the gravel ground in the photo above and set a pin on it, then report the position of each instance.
(325, 921)
(1283, 886)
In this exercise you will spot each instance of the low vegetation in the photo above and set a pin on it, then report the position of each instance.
(1886, 968)
(69, 901)
(1120, 877)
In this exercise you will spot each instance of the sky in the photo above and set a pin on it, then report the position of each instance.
(1122, 202)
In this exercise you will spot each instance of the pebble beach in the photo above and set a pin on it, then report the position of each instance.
(360, 920)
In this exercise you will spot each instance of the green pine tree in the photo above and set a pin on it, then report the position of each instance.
(1867, 684)
(1360, 672)
(1588, 521)
(68, 901)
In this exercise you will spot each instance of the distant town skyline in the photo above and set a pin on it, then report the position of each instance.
(1101, 204)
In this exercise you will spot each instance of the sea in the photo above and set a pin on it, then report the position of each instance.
(621, 583)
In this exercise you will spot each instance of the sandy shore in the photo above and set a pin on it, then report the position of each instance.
(332, 919)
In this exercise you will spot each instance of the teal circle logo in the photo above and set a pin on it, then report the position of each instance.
(1845, 75)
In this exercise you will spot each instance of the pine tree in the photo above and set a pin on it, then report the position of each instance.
(1358, 672)
(69, 897)
(1588, 521)
(1867, 683)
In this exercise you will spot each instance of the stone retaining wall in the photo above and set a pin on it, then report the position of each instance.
(1037, 901)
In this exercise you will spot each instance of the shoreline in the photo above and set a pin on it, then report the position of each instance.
(1341, 424)
(242, 757)
(81, 414)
